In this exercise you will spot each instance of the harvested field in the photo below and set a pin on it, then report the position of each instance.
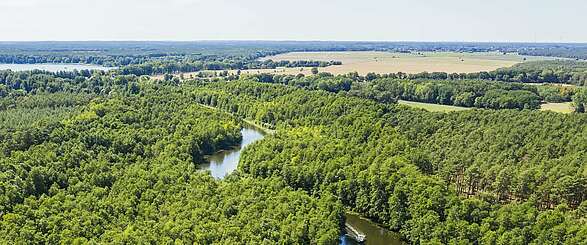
(387, 62)
(433, 107)
(566, 107)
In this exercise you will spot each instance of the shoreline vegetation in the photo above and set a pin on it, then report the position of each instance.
(122, 152)
(259, 126)
(304, 139)
(251, 123)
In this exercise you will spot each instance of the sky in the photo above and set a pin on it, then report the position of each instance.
(328, 20)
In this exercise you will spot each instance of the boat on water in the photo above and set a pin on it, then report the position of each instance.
(354, 233)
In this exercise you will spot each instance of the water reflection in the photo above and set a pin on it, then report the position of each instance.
(225, 162)
(375, 234)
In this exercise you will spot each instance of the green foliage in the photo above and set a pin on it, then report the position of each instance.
(97, 157)
(17, 84)
(474, 177)
(467, 93)
(558, 71)
(556, 94)
(580, 101)
(125, 170)
(548, 71)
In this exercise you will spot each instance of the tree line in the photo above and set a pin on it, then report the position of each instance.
(17, 84)
(466, 93)
(552, 71)
(489, 177)
(167, 67)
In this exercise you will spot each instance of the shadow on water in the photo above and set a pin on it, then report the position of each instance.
(225, 162)
(375, 234)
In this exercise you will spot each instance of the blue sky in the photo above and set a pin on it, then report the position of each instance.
(382, 20)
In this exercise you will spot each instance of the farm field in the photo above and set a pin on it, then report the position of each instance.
(566, 107)
(364, 62)
(387, 62)
(433, 107)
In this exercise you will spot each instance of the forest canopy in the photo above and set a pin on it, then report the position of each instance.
(116, 157)
(415, 171)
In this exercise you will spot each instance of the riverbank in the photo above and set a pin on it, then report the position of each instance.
(258, 126)
(247, 121)
(225, 162)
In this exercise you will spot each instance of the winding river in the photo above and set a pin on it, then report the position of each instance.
(225, 162)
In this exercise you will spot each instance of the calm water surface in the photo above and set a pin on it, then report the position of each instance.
(375, 234)
(53, 67)
(225, 162)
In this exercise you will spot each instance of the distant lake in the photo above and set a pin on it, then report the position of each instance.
(53, 67)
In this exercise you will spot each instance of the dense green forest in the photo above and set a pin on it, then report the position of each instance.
(580, 100)
(490, 177)
(115, 159)
(467, 93)
(164, 67)
(16, 84)
(124, 169)
(557, 71)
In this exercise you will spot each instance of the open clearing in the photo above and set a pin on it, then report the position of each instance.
(566, 107)
(364, 62)
(433, 107)
(387, 62)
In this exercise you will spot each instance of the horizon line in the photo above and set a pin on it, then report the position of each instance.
(294, 40)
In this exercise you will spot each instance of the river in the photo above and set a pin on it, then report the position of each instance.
(53, 67)
(374, 233)
(225, 162)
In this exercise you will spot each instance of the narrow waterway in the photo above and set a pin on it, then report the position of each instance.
(225, 162)
(375, 234)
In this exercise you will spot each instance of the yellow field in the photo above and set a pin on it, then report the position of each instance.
(386, 62)
(432, 107)
(566, 107)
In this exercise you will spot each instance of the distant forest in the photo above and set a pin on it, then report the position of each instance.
(146, 58)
